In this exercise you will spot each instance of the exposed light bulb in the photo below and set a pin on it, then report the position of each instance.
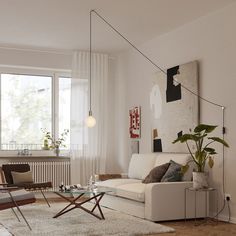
(90, 121)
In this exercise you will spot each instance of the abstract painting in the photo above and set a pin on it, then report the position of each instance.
(134, 122)
(174, 110)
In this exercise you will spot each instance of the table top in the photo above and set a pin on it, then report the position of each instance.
(85, 190)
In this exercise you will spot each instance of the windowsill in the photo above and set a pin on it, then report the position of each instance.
(44, 154)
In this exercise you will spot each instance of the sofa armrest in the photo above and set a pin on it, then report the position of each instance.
(103, 177)
(165, 200)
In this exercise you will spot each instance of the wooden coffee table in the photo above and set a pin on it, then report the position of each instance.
(77, 199)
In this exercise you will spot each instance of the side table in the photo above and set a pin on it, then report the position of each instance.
(207, 192)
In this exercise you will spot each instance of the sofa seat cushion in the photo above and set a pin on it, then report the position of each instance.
(113, 183)
(134, 191)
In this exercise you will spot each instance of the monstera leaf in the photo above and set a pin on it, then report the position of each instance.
(206, 128)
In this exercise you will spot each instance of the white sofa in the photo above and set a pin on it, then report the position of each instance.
(155, 201)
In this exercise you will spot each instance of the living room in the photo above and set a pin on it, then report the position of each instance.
(45, 56)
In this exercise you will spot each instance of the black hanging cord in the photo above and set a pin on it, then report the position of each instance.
(162, 70)
(151, 61)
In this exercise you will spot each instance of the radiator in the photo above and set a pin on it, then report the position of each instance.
(54, 171)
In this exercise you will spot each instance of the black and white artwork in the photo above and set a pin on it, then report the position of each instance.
(174, 110)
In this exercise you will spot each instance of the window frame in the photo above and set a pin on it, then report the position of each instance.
(55, 74)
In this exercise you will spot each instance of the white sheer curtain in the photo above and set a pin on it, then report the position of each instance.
(88, 145)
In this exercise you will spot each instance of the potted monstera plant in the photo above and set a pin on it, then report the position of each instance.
(201, 152)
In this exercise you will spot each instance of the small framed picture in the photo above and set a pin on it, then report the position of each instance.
(134, 122)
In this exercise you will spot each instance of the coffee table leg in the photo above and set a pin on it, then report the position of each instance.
(98, 205)
(79, 205)
(63, 211)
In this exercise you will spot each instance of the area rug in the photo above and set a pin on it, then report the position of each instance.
(77, 222)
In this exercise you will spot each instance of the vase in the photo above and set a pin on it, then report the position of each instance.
(57, 152)
(200, 180)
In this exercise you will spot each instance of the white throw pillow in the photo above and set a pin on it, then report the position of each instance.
(140, 165)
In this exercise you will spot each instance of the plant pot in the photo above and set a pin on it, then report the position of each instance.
(57, 151)
(200, 180)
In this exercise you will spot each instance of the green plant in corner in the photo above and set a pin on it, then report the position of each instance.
(202, 152)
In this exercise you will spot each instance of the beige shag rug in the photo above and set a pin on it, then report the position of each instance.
(77, 222)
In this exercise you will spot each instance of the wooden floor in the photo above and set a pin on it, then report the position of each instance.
(182, 228)
(204, 229)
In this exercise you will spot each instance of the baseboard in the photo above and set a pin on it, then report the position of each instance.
(224, 218)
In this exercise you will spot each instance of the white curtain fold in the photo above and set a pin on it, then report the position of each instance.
(88, 145)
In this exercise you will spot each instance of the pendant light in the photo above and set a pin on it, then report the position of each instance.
(90, 121)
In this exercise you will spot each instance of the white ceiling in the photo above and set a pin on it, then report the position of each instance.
(64, 24)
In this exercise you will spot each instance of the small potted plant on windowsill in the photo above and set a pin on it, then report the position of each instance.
(201, 153)
(54, 144)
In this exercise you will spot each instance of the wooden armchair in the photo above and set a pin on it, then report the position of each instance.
(11, 197)
(8, 168)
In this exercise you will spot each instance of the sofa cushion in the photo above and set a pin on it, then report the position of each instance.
(135, 191)
(156, 174)
(180, 158)
(113, 183)
(173, 173)
(140, 165)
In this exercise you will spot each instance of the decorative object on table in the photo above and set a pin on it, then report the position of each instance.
(200, 151)
(173, 109)
(92, 182)
(50, 142)
(64, 188)
(134, 122)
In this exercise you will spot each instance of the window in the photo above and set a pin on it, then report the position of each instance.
(29, 103)
(64, 105)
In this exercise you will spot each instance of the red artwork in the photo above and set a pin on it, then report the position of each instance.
(134, 122)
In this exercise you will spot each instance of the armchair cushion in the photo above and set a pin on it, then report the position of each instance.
(22, 177)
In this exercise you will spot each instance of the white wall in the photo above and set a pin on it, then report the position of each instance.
(35, 58)
(211, 41)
